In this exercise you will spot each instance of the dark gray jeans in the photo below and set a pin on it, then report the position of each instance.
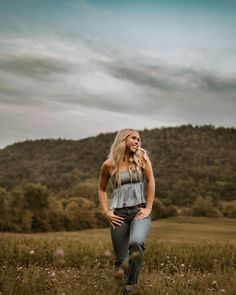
(128, 239)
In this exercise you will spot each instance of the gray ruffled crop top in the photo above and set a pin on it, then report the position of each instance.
(131, 192)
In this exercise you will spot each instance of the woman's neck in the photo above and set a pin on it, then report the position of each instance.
(126, 157)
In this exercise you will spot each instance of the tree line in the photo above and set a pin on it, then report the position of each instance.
(51, 184)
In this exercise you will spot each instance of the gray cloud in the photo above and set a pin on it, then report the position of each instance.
(169, 79)
(34, 66)
(154, 77)
(122, 93)
(29, 79)
(218, 83)
(128, 88)
(74, 72)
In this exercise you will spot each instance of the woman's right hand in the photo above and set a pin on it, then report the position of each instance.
(114, 219)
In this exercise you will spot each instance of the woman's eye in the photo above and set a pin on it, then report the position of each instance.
(135, 138)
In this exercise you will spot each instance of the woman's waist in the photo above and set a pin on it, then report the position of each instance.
(128, 185)
(142, 205)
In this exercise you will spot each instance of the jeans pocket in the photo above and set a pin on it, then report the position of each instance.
(119, 212)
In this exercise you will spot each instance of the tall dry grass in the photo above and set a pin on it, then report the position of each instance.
(183, 256)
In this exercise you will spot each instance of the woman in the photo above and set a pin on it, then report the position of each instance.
(129, 211)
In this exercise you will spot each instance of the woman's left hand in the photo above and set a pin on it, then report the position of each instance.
(142, 213)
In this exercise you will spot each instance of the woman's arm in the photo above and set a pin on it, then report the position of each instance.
(144, 212)
(150, 184)
(103, 180)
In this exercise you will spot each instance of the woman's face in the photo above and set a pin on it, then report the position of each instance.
(133, 142)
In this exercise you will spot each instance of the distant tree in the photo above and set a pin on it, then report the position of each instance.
(4, 210)
(55, 214)
(159, 210)
(29, 208)
(228, 208)
(87, 189)
(17, 211)
(36, 196)
(36, 201)
(204, 207)
(79, 213)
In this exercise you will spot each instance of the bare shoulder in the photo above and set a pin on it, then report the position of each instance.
(107, 166)
(105, 174)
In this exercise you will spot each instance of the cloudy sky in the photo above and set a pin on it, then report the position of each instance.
(76, 68)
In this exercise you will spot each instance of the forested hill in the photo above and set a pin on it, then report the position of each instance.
(189, 162)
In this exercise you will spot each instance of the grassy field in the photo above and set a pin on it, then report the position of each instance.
(184, 255)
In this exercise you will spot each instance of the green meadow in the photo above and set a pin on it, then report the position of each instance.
(184, 255)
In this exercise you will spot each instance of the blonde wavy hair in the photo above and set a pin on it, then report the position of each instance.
(117, 153)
